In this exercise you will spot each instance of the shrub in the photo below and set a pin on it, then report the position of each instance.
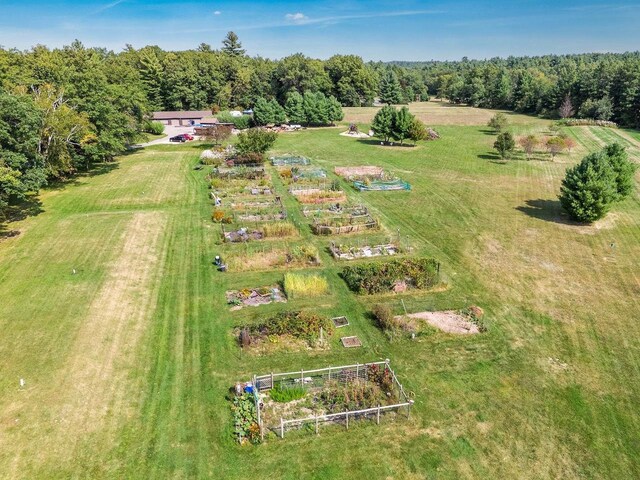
(384, 316)
(155, 128)
(371, 278)
(283, 394)
(302, 285)
(279, 229)
(498, 122)
(255, 140)
(249, 158)
(241, 123)
(577, 122)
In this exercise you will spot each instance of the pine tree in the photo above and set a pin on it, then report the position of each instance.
(402, 124)
(623, 169)
(294, 108)
(589, 188)
(263, 112)
(316, 108)
(417, 131)
(335, 109)
(505, 144)
(390, 89)
(231, 45)
(382, 124)
(278, 114)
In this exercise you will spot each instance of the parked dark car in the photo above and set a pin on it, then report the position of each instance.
(178, 138)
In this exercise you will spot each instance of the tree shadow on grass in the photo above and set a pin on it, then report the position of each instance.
(30, 207)
(380, 143)
(548, 210)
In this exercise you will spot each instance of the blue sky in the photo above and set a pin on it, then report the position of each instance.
(376, 30)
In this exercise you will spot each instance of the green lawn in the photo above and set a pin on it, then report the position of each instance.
(128, 361)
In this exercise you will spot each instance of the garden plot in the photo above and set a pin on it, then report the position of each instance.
(290, 401)
(294, 329)
(360, 173)
(354, 252)
(287, 159)
(393, 276)
(351, 342)
(301, 175)
(334, 209)
(340, 224)
(254, 297)
(371, 178)
(273, 229)
(448, 321)
(318, 194)
(273, 257)
(239, 173)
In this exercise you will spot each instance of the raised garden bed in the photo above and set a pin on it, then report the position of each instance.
(351, 342)
(339, 322)
(272, 229)
(299, 175)
(393, 276)
(242, 235)
(334, 209)
(246, 173)
(254, 297)
(353, 252)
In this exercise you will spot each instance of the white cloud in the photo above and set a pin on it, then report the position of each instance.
(217, 12)
(297, 17)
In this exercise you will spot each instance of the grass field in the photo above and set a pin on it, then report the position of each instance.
(128, 361)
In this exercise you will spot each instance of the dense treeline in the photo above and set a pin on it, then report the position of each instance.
(600, 86)
(63, 109)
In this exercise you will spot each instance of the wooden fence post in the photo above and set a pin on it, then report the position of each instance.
(378, 415)
(316, 425)
(281, 427)
(347, 419)
(409, 408)
(357, 369)
(272, 385)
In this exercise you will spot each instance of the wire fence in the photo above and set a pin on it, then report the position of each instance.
(317, 378)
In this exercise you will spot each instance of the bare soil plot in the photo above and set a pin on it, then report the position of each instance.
(351, 342)
(448, 321)
(254, 297)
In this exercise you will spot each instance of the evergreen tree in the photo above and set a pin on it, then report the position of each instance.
(231, 45)
(383, 122)
(294, 108)
(263, 112)
(589, 188)
(401, 124)
(505, 144)
(278, 114)
(623, 169)
(498, 122)
(335, 109)
(316, 108)
(390, 89)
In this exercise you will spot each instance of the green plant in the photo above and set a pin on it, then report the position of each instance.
(498, 122)
(155, 128)
(255, 140)
(298, 324)
(302, 285)
(245, 419)
(384, 316)
(279, 230)
(283, 394)
(370, 278)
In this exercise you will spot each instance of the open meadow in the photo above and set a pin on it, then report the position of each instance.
(112, 312)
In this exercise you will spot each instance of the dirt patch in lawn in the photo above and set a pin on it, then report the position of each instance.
(448, 321)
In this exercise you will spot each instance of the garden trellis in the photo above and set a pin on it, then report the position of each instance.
(316, 379)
